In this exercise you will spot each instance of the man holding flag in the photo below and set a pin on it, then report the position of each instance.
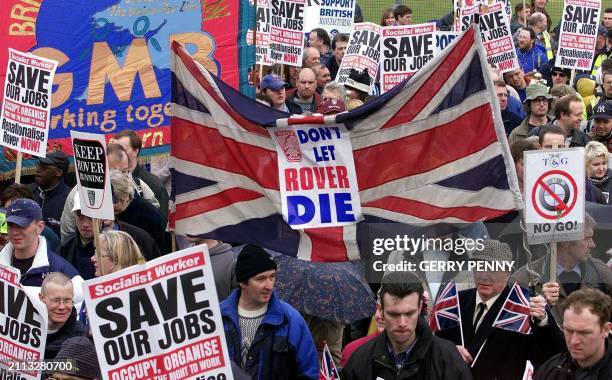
(498, 327)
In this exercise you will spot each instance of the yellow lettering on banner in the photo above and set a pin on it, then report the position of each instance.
(157, 138)
(104, 64)
(27, 28)
(26, 14)
(213, 9)
(64, 81)
(204, 46)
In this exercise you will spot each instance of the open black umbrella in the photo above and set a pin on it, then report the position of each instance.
(333, 291)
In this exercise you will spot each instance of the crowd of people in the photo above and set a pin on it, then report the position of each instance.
(51, 243)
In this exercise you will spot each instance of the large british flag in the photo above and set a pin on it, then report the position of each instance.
(445, 313)
(432, 150)
(515, 315)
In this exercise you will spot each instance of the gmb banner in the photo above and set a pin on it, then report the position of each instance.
(114, 59)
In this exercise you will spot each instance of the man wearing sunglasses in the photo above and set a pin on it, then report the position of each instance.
(560, 76)
(57, 294)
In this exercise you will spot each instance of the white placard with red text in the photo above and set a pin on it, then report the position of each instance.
(262, 39)
(362, 52)
(578, 34)
(497, 38)
(26, 111)
(286, 31)
(167, 310)
(317, 176)
(23, 329)
(554, 195)
(465, 14)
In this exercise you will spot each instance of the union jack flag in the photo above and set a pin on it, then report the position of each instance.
(445, 313)
(328, 368)
(514, 315)
(431, 150)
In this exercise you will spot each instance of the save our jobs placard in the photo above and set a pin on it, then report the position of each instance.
(287, 31)
(26, 109)
(578, 35)
(23, 329)
(160, 320)
(405, 49)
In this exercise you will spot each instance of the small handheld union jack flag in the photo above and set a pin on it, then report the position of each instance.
(515, 314)
(445, 312)
(328, 368)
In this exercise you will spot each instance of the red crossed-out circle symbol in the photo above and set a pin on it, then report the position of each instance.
(554, 194)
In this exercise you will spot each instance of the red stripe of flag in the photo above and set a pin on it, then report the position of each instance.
(213, 202)
(327, 244)
(425, 151)
(430, 212)
(207, 146)
(434, 83)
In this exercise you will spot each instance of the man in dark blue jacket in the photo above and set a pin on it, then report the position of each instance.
(266, 336)
(51, 190)
(27, 251)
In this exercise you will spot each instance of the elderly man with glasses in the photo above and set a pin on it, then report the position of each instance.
(57, 294)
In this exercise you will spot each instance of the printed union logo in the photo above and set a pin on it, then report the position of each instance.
(92, 197)
(555, 160)
(289, 143)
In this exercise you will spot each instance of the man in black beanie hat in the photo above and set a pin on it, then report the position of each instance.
(266, 336)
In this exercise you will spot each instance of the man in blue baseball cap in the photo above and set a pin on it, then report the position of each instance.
(27, 251)
(274, 88)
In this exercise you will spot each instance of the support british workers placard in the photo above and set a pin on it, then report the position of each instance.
(497, 38)
(317, 176)
(554, 195)
(335, 16)
(26, 110)
(578, 34)
(404, 50)
(23, 329)
(159, 320)
(93, 175)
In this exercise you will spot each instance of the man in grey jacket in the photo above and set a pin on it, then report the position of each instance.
(223, 259)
